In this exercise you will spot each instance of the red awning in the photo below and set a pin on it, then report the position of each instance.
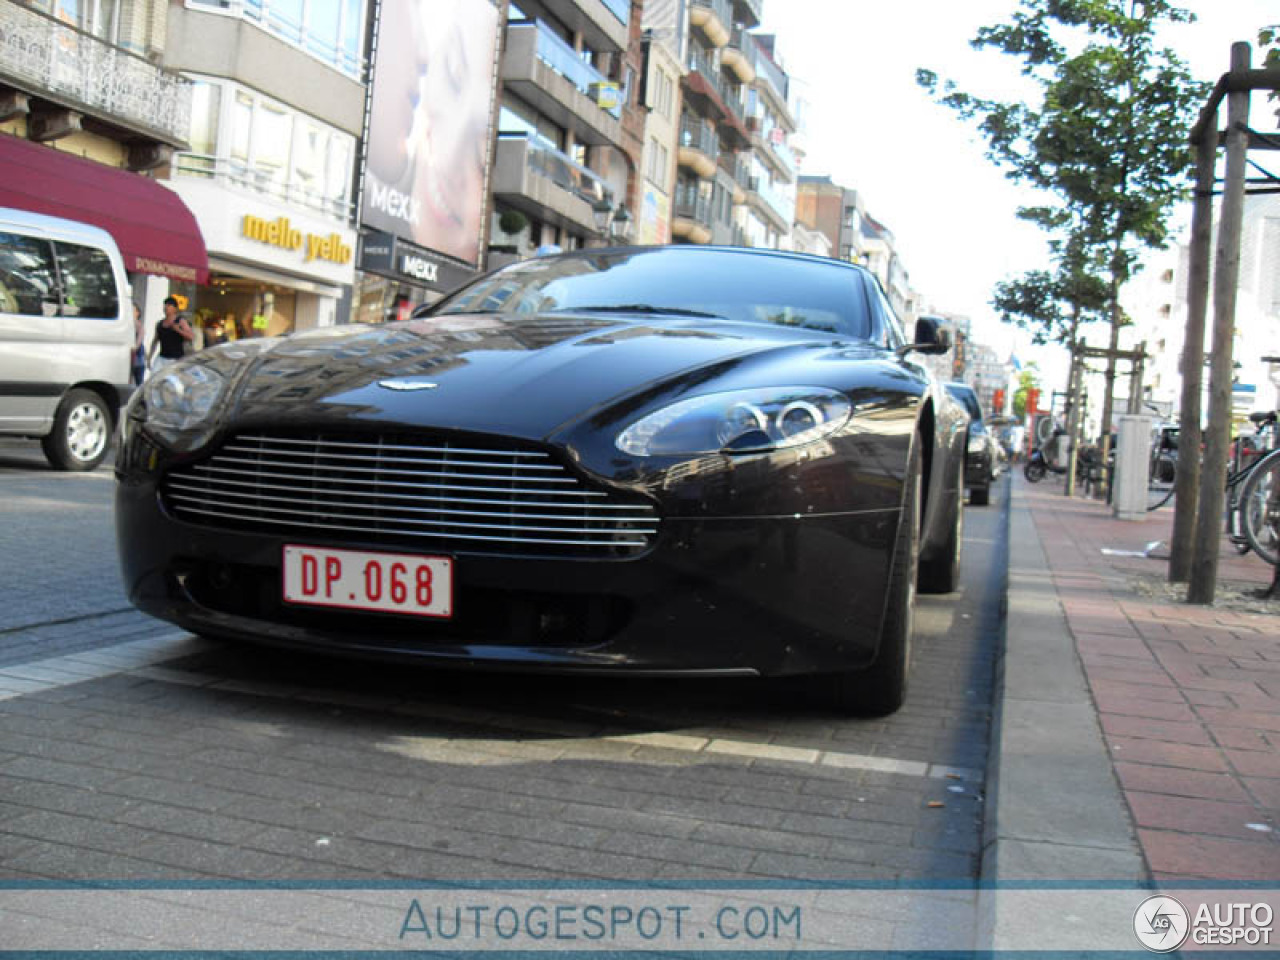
(154, 229)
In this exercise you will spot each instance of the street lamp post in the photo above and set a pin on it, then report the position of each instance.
(612, 223)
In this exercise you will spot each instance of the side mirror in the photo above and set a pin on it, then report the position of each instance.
(931, 337)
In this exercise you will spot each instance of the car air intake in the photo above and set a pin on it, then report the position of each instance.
(457, 496)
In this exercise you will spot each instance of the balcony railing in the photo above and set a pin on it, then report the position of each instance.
(692, 205)
(268, 182)
(708, 67)
(700, 135)
(770, 72)
(723, 10)
(620, 9)
(560, 169)
(564, 60)
(755, 7)
(51, 58)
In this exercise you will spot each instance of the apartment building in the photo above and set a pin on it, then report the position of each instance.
(566, 169)
(714, 145)
(771, 166)
(88, 119)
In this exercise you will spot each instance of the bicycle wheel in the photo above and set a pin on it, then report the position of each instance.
(1235, 526)
(1161, 480)
(1260, 508)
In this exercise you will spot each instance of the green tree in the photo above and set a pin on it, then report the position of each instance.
(1028, 379)
(1107, 142)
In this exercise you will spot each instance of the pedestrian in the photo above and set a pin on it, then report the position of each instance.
(138, 356)
(173, 333)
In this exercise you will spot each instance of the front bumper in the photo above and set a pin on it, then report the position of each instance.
(755, 595)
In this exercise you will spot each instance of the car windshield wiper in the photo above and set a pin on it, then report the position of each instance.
(639, 308)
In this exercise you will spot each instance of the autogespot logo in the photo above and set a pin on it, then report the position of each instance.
(1161, 924)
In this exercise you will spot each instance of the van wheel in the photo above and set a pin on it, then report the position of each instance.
(81, 432)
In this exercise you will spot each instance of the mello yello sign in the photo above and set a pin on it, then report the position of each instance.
(280, 232)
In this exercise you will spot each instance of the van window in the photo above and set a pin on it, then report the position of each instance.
(28, 282)
(88, 282)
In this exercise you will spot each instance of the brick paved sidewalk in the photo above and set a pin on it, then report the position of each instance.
(1188, 696)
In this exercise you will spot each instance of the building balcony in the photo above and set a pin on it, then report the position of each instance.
(604, 24)
(772, 148)
(737, 56)
(707, 93)
(714, 18)
(764, 201)
(691, 215)
(774, 86)
(738, 171)
(545, 183)
(53, 61)
(699, 146)
(749, 12)
(545, 72)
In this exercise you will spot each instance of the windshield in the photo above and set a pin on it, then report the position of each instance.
(680, 281)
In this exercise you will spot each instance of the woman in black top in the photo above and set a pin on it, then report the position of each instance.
(172, 334)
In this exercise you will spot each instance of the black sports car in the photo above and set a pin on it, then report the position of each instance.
(653, 460)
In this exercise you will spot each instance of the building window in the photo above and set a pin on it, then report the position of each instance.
(330, 30)
(255, 142)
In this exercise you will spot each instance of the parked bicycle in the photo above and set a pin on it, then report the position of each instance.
(1248, 454)
(1162, 467)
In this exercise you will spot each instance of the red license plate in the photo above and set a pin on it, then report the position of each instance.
(363, 580)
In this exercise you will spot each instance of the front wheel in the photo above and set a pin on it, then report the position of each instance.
(1034, 471)
(1161, 481)
(81, 433)
(1260, 509)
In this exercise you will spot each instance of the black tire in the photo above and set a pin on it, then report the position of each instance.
(1260, 509)
(980, 496)
(81, 434)
(941, 574)
(1034, 471)
(881, 688)
(1161, 481)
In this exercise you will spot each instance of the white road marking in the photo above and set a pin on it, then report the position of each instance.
(143, 658)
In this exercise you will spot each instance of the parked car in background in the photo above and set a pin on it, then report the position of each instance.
(982, 457)
(688, 460)
(66, 334)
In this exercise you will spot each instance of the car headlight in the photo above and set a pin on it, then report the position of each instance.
(178, 403)
(741, 421)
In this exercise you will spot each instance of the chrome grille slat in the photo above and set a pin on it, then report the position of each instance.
(397, 483)
(458, 536)
(404, 461)
(268, 511)
(437, 498)
(421, 490)
(194, 494)
(381, 469)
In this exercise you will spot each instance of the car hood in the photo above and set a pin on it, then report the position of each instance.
(513, 376)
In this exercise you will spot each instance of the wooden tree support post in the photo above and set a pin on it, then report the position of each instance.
(1213, 481)
(1187, 481)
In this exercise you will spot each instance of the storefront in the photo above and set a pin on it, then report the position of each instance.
(396, 276)
(273, 269)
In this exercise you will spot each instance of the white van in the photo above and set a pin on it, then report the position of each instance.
(66, 332)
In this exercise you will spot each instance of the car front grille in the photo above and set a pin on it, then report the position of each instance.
(458, 496)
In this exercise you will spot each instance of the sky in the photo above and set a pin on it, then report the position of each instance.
(920, 168)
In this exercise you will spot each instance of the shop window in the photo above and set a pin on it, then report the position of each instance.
(88, 282)
(263, 144)
(28, 281)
